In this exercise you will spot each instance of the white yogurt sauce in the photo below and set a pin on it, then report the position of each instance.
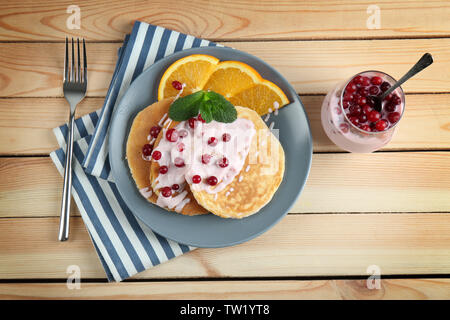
(162, 119)
(172, 202)
(276, 106)
(146, 192)
(195, 145)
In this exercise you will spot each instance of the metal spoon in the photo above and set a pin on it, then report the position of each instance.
(423, 62)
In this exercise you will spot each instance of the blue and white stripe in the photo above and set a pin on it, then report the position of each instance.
(145, 45)
(125, 245)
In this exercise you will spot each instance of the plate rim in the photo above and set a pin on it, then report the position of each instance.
(182, 53)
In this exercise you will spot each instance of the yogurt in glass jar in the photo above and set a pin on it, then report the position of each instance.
(349, 115)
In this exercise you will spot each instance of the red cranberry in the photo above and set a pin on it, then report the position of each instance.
(177, 85)
(374, 116)
(212, 141)
(351, 87)
(356, 97)
(365, 81)
(376, 81)
(362, 101)
(355, 110)
(175, 186)
(166, 191)
(182, 133)
(348, 97)
(147, 150)
(179, 162)
(366, 128)
(223, 162)
(199, 118)
(154, 131)
(226, 137)
(358, 80)
(172, 135)
(192, 123)
(212, 180)
(156, 155)
(206, 158)
(196, 179)
(180, 147)
(345, 104)
(384, 86)
(374, 90)
(163, 169)
(362, 118)
(354, 120)
(390, 107)
(363, 91)
(370, 102)
(396, 100)
(394, 117)
(381, 125)
(367, 109)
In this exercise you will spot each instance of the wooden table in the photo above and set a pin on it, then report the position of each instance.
(389, 210)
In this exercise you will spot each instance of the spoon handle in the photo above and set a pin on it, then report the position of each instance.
(424, 62)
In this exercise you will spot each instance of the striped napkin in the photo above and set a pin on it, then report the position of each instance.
(125, 245)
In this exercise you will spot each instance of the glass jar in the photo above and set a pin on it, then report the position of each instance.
(349, 116)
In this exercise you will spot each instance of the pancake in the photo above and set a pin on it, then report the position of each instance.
(254, 186)
(139, 167)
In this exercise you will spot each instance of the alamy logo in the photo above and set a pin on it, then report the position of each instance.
(74, 278)
(74, 20)
(374, 20)
(374, 280)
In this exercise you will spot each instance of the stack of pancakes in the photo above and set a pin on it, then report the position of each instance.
(250, 190)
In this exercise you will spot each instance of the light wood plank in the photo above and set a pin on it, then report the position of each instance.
(300, 245)
(425, 125)
(399, 182)
(404, 289)
(26, 124)
(35, 69)
(111, 20)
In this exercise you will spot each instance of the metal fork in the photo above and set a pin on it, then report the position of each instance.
(74, 86)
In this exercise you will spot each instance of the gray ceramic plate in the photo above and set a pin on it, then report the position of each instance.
(210, 230)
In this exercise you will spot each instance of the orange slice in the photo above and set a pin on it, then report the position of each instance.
(192, 71)
(236, 81)
(261, 97)
(231, 77)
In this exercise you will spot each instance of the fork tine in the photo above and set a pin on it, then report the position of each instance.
(85, 63)
(66, 61)
(72, 70)
(79, 62)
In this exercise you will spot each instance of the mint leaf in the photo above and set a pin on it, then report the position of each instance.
(223, 110)
(211, 105)
(186, 107)
(205, 111)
